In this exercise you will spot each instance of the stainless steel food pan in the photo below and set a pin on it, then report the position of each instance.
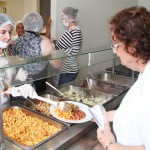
(102, 86)
(83, 95)
(116, 79)
(50, 121)
(43, 108)
(40, 106)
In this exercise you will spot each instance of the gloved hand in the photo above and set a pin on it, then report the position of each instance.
(22, 75)
(24, 90)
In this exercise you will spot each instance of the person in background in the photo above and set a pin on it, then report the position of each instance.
(7, 75)
(19, 30)
(130, 31)
(71, 43)
(32, 46)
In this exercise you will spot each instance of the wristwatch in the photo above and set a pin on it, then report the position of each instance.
(110, 143)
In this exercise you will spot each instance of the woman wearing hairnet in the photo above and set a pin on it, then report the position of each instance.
(70, 42)
(7, 75)
(32, 45)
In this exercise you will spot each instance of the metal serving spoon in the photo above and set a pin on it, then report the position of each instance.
(91, 74)
(88, 83)
(54, 88)
(64, 106)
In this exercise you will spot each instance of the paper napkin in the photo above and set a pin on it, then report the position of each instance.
(99, 114)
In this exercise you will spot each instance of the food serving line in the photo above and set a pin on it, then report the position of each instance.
(83, 135)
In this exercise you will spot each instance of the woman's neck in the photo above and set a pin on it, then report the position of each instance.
(72, 24)
(139, 66)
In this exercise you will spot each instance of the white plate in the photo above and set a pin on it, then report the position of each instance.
(81, 106)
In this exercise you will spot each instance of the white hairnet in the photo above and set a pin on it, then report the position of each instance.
(33, 22)
(5, 20)
(71, 13)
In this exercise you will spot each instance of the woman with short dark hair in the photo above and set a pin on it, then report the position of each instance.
(130, 30)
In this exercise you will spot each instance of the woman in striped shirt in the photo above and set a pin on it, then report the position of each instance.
(70, 42)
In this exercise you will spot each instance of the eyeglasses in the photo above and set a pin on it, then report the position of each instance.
(115, 46)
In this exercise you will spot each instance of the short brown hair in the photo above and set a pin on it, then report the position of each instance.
(132, 25)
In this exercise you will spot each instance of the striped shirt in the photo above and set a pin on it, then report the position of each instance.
(70, 42)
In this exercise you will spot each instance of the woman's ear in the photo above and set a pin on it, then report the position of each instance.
(133, 47)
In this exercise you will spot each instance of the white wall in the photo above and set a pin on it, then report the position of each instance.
(18, 8)
(145, 3)
(15, 9)
(31, 5)
(93, 20)
(3, 5)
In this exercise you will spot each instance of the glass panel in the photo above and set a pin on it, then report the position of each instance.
(33, 65)
(16, 61)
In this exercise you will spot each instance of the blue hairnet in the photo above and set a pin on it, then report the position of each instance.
(71, 13)
(33, 22)
(5, 20)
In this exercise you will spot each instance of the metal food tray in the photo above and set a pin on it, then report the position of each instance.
(31, 105)
(105, 87)
(37, 108)
(88, 94)
(116, 79)
(50, 121)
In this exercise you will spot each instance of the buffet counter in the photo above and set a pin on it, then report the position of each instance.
(81, 135)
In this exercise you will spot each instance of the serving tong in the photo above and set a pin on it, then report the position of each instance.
(35, 105)
(64, 106)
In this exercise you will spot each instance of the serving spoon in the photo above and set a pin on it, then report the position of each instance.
(91, 74)
(88, 83)
(54, 88)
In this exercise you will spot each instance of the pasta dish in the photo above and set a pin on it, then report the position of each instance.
(24, 129)
(74, 114)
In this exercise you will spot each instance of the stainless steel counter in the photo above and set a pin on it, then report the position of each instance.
(77, 136)
(87, 142)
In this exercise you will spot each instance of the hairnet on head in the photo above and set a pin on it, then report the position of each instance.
(71, 13)
(5, 20)
(17, 22)
(33, 22)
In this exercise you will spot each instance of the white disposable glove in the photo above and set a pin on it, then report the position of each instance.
(25, 90)
(22, 75)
